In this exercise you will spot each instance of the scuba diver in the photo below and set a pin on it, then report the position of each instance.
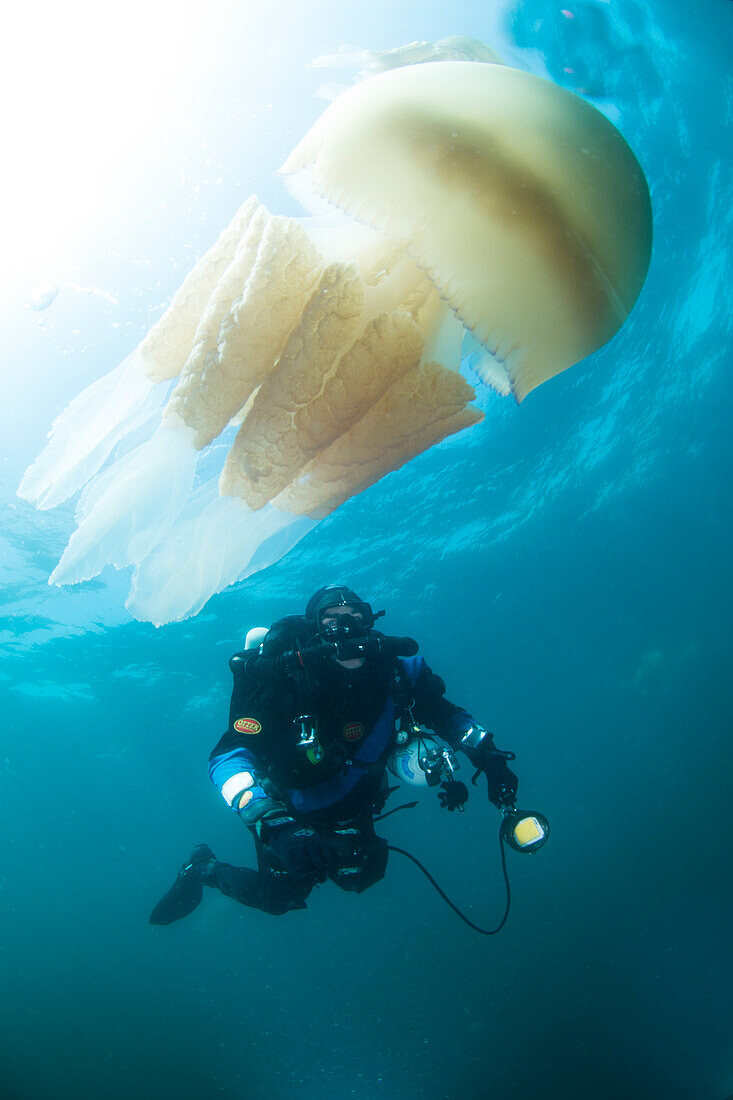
(319, 710)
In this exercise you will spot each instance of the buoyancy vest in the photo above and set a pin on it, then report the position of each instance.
(359, 753)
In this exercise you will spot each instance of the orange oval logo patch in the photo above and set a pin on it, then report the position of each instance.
(247, 725)
(353, 731)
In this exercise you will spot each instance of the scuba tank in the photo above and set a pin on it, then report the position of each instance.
(419, 759)
(423, 761)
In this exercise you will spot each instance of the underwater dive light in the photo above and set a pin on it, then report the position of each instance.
(524, 830)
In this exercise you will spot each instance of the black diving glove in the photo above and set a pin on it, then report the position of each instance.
(301, 850)
(453, 795)
(492, 763)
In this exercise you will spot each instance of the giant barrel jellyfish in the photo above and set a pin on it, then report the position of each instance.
(453, 197)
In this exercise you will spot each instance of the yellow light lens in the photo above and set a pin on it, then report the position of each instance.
(527, 831)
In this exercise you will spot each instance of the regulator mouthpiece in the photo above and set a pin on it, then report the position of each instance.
(524, 830)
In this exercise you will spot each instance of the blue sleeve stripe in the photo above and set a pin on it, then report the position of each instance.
(228, 764)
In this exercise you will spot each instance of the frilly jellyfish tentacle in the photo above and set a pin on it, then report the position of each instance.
(345, 352)
(166, 347)
(212, 545)
(492, 371)
(85, 434)
(424, 406)
(131, 506)
(262, 313)
(281, 433)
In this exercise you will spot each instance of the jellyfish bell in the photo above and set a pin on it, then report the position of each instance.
(522, 202)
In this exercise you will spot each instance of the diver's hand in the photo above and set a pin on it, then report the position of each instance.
(502, 782)
(453, 795)
(301, 850)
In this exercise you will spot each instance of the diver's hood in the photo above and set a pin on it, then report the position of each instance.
(333, 595)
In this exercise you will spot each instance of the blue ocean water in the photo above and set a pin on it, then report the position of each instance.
(565, 566)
